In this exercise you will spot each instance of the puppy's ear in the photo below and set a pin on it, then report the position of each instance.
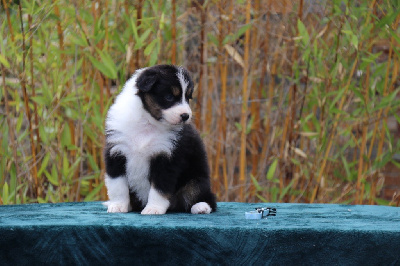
(147, 80)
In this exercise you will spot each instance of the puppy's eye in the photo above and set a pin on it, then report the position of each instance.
(169, 97)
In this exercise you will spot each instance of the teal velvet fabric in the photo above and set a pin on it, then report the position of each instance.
(300, 234)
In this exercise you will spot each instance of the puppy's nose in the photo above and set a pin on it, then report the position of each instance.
(184, 117)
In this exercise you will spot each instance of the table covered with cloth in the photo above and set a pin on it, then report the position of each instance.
(300, 234)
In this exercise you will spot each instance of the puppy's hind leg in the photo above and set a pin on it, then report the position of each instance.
(118, 193)
(197, 198)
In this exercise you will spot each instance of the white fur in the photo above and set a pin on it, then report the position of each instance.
(117, 190)
(138, 136)
(173, 115)
(184, 83)
(157, 203)
(201, 208)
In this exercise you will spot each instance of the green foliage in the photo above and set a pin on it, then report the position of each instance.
(73, 59)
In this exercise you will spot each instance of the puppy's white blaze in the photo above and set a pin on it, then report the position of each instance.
(184, 83)
(201, 208)
(118, 193)
(157, 203)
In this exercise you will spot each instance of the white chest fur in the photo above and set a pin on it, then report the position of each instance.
(146, 142)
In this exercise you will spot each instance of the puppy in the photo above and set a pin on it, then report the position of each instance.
(155, 159)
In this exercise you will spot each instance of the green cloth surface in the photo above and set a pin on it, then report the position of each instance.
(300, 234)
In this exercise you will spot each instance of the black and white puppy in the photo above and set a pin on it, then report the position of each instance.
(155, 159)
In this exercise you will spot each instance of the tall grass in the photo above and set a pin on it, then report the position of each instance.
(296, 100)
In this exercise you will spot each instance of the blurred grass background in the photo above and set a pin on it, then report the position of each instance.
(297, 101)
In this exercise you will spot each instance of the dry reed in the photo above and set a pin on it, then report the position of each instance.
(293, 100)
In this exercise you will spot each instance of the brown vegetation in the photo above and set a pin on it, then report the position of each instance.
(297, 101)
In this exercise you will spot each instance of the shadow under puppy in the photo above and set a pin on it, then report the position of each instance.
(155, 159)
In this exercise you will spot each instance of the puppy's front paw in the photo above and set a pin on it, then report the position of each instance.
(201, 208)
(117, 206)
(153, 209)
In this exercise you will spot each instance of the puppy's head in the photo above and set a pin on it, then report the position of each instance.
(165, 91)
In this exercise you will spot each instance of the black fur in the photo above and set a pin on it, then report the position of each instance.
(136, 204)
(184, 177)
(115, 164)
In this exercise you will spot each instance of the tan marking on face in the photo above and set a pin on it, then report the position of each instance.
(153, 107)
(175, 91)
